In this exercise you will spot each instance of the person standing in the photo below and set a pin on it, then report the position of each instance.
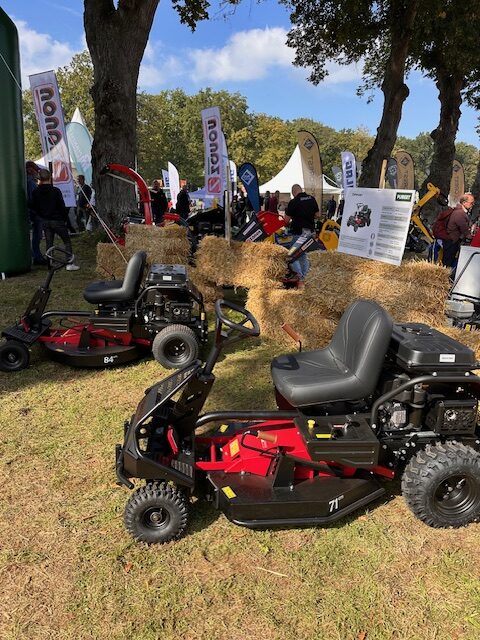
(331, 207)
(274, 202)
(458, 229)
(300, 215)
(32, 182)
(48, 204)
(183, 203)
(266, 200)
(159, 202)
(83, 203)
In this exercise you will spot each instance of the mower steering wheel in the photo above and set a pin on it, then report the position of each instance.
(253, 331)
(61, 260)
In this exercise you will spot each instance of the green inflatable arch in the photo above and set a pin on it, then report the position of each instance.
(15, 254)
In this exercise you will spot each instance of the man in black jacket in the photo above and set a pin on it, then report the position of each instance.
(183, 203)
(47, 202)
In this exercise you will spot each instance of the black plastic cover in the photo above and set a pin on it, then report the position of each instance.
(416, 346)
(167, 274)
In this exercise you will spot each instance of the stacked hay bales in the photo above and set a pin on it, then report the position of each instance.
(241, 264)
(164, 245)
(110, 263)
(412, 292)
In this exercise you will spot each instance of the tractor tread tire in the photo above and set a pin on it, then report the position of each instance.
(425, 473)
(156, 495)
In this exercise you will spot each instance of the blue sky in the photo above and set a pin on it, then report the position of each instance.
(243, 52)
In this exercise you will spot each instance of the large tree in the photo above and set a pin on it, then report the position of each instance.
(375, 33)
(448, 51)
(117, 34)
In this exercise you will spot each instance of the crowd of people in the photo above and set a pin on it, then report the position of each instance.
(49, 217)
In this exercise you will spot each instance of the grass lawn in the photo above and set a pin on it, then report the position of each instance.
(69, 571)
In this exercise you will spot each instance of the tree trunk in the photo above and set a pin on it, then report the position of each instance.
(395, 93)
(440, 174)
(116, 38)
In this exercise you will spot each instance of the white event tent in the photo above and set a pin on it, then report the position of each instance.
(292, 174)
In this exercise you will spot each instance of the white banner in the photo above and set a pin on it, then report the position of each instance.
(51, 124)
(349, 167)
(215, 153)
(233, 176)
(174, 183)
(375, 223)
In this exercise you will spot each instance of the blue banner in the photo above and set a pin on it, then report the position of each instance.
(248, 175)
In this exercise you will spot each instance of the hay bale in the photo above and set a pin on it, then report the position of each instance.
(416, 289)
(241, 264)
(109, 261)
(164, 245)
(273, 307)
(209, 290)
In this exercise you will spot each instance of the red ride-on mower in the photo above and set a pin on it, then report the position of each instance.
(360, 218)
(165, 316)
(380, 401)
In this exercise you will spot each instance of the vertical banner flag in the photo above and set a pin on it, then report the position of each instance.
(215, 153)
(165, 178)
(349, 167)
(457, 183)
(405, 170)
(80, 147)
(51, 124)
(338, 175)
(174, 182)
(248, 175)
(233, 177)
(392, 173)
(311, 165)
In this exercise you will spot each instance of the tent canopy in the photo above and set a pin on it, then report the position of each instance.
(292, 174)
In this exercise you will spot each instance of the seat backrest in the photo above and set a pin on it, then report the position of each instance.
(361, 341)
(133, 275)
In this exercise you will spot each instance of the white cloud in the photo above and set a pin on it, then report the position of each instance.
(40, 52)
(248, 55)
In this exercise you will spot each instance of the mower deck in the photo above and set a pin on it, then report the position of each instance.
(98, 357)
(255, 502)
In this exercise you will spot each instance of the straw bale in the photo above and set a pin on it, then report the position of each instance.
(241, 264)
(273, 307)
(110, 262)
(209, 290)
(166, 245)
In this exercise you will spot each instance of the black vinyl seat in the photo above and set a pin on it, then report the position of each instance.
(112, 291)
(347, 369)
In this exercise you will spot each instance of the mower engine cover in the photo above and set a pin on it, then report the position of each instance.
(416, 346)
(167, 274)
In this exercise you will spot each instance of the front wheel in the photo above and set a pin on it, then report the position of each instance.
(14, 356)
(441, 485)
(156, 513)
(175, 347)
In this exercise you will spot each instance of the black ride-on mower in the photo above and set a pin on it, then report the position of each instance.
(380, 401)
(166, 316)
(360, 218)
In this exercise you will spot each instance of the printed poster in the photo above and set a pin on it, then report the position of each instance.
(375, 223)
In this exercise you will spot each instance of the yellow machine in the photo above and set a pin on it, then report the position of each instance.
(329, 235)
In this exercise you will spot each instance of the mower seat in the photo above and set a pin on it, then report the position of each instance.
(111, 291)
(347, 369)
